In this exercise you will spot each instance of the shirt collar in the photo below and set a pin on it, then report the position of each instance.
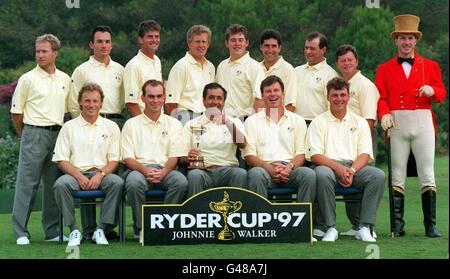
(242, 59)
(317, 66)
(97, 63)
(145, 57)
(147, 120)
(277, 65)
(44, 74)
(355, 76)
(331, 117)
(83, 121)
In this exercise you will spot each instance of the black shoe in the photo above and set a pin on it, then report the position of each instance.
(399, 206)
(112, 235)
(429, 213)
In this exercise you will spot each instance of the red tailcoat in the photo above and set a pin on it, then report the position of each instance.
(400, 93)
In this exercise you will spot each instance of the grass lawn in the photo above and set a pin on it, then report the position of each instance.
(412, 246)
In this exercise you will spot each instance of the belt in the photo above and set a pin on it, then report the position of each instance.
(92, 169)
(111, 115)
(214, 167)
(50, 128)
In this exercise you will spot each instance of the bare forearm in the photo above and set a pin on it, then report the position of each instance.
(254, 161)
(132, 164)
(17, 120)
(322, 160)
(69, 169)
(134, 109)
(171, 163)
(360, 162)
(110, 167)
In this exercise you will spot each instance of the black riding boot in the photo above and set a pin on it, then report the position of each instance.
(429, 213)
(399, 206)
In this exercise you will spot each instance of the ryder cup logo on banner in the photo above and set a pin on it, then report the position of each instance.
(226, 215)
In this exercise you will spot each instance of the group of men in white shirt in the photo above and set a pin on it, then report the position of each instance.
(273, 139)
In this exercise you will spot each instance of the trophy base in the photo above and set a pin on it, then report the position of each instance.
(198, 164)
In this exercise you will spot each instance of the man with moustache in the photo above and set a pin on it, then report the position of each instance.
(218, 142)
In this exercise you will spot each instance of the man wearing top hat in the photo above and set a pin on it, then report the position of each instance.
(408, 85)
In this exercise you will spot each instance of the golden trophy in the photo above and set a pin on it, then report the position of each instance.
(196, 133)
(225, 207)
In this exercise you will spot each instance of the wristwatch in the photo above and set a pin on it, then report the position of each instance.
(102, 172)
(292, 165)
(353, 170)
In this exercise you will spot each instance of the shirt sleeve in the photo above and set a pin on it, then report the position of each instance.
(126, 142)
(114, 146)
(315, 139)
(300, 135)
(365, 139)
(175, 83)
(62, 150)
(77, 83)
(256, 77)
(368, 98)
(250, 131)
(20, 95)
(131, 81)
(177, 147)
(290, 89)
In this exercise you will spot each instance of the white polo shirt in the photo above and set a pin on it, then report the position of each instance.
(272, 141)
(110, 79)
(41, 97)
(339, 140)
(152, 142)
(312, 89)
(215, 143)
(364, 96)
(137, 71)
(241, 78)
(87, 145)
(285, 71)
(186, 81)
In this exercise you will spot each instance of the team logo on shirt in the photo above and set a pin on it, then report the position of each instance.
(118, 78)
(352, 93)
(238, 72)
(318, 79)
(353, 129)
(105, 136)
(164, 133)
(290, 129)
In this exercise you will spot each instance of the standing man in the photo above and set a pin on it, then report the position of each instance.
(274, 64)
(217, 145)
(340, 145)
(240, 75)
(102, 70)
(189, 75)
(276, 146)
(311, 101)
(363, 101)
(151, 146)
(144, 66)
(312, 78)
(408, 85)
(88, 152)
(38, 106)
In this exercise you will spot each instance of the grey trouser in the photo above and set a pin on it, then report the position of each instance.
(370, 179)
(175, 183)
(302, 178)
(67, 185)
(200, 180)
(35, 162)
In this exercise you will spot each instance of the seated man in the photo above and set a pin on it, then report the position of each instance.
(339, 143)
(275, 149)
(151, 146)
(216, 142)
(88, 151)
